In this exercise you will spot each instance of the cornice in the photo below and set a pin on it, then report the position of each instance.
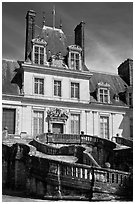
(89, 106)
(56, 71)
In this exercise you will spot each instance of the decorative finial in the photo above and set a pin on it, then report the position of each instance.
(43, 18)
(53, 12)
(60, 23)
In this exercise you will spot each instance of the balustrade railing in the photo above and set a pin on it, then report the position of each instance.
(77, 139)
(123, 141)
(89, 174)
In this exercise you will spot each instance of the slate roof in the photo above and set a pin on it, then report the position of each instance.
(117, 85)
(56, 42)
(8, 73)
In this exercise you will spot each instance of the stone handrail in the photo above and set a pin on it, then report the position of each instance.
(75, 139)
(87, 173)
(123, 141)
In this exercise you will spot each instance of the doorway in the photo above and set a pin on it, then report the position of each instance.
(57, 128)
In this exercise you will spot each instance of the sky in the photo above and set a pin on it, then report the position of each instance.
(108, 29)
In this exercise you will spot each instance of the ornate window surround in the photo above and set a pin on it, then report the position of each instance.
(40, 43)
(75, 50)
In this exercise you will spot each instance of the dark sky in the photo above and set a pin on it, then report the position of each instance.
(108, 29)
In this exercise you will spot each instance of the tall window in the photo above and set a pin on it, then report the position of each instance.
(38, 122)
(74, 61)
(103, 95)
(39, 55)
(104, 127)
(75, 124)
(39, 86)
(74, 90)
(57, 88)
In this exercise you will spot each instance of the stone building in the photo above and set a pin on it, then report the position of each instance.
(53, 90)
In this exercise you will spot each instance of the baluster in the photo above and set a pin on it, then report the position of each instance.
(85, 173)
(80, 173)
(76, 171)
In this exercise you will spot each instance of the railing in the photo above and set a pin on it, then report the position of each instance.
(77, 139)
(78, 172)
(123, 141)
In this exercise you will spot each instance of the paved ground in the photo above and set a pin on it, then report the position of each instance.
(7, 198)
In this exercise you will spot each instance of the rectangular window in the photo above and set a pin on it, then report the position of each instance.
(8, 120)
(74, 90)
(39, 86)
(75, 124)
(39, 55)
(104, 127)
(75, 61)
(103, 95)
(38, 122)
(57, 88)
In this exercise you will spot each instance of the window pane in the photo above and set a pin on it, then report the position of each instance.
(36, 58)
(104, 127)
(74, 90)
(57, 88)
(101, 98)
(38, 122)
(41, 50)
(39, 86)
(41, 59)
(75, 124)
(36, 49)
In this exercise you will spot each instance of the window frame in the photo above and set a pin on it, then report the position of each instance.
(39, 54)
(43, 88)
(57, 88)
(104, 95)
(73, 124)
(76, 62)
(74, 90)
(104, 135)
(38, 123)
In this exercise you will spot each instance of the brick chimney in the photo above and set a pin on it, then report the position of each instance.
(79, 39)
(125, 71)
(30, 33)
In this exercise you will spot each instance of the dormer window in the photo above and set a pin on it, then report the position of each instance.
(75, 61)
(103, 92)
(39, 51)
(38, 55)
(74, 57)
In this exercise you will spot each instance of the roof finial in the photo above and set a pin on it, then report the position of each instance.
(60, 23)
(53, 12)
(43, 18)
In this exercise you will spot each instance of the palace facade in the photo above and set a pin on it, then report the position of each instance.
(53, 90)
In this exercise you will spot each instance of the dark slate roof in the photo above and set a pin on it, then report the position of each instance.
(117, 85)
(56, 40)
(8, 73)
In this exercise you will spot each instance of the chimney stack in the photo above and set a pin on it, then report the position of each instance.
(30, 33)
(79, 39)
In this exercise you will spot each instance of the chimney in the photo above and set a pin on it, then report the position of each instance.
(125, 71)
(79, 39)
(30, 33)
